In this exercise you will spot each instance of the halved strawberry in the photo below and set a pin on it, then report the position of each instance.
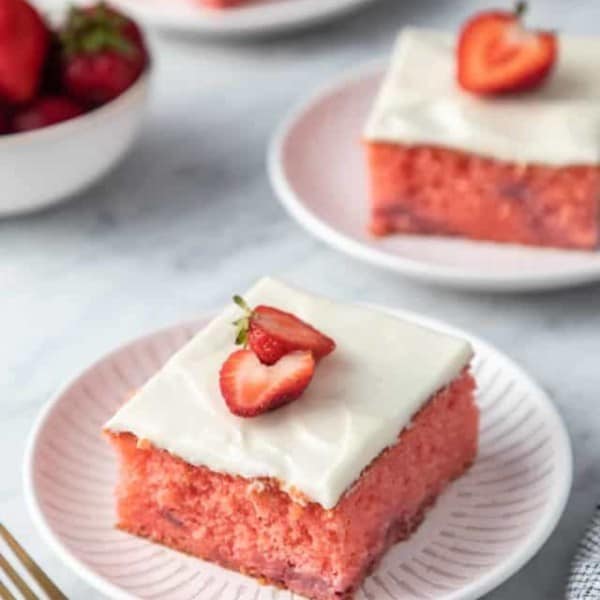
(497, 54)
(251, 388)
(272, 333)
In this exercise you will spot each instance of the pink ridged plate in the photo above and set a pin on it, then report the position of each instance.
(486, 526)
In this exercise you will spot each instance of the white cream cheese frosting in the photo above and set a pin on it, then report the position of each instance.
(382, 372)
(556, 124)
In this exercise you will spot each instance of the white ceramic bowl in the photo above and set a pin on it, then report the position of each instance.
(44, 166)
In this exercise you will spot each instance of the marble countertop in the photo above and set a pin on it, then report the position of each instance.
(189, 217)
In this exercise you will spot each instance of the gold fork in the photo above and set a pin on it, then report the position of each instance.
(34, 570)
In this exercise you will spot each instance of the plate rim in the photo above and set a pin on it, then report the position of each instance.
(473, 591)
(242, 24)
(449, 276)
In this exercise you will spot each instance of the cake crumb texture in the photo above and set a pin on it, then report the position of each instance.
(435, 190)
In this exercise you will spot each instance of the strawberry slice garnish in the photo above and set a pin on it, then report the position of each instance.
(497, 54)
(272, 333)
(251, 388)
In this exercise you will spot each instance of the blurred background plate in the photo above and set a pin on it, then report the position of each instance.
(258, 17)
(318, 170)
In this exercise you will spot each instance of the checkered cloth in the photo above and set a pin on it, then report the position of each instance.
(584, 582)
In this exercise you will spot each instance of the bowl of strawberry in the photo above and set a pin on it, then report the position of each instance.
(71, 100)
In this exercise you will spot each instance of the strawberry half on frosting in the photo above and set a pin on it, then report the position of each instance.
(272, 333)
(251, 388)
(277, 362)
(496, 54)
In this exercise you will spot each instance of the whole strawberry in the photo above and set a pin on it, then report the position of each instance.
(45, 111)
(23, 45)
(103, 54)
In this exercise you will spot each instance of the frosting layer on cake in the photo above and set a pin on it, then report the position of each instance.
(382, 372)
(421, 103)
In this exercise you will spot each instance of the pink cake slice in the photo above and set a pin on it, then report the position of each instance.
(308, 496)
(521, 169)
(441, 191)
(253, 526)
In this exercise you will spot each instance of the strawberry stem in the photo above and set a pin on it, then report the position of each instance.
(520, 9)
(94, 29)
(242, 334)
(243, 324)
(242, 304)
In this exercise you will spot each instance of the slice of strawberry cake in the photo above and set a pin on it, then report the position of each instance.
(298, 445)
(491, 136)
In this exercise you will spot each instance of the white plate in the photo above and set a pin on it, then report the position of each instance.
(486, 526)
(317, 168)
(258, 17)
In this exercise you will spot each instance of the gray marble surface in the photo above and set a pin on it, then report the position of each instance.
(189, 217)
